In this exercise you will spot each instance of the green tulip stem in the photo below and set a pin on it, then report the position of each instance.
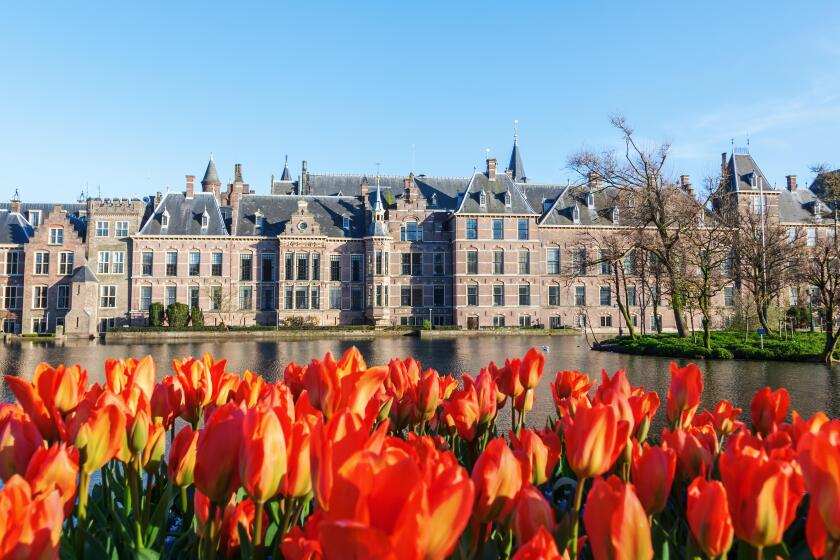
(258, 530)
(576, 516)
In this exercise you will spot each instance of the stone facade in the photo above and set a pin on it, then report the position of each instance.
(486, 250)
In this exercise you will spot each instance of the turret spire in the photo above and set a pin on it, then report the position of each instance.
(211, 176)
(287, 175)
(515, 168)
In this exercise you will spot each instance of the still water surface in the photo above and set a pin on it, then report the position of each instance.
(813, 387)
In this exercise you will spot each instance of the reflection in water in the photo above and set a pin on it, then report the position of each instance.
(813, 387)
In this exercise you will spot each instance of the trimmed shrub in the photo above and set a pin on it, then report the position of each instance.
(177, 315)
(427, 325)
(156, 312)
(299, 322)
(196, 316)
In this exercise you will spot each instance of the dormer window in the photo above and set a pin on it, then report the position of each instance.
(590, 200)
(507, 199)
(340, 193)
(345, 222)
(615, 215)
(576, 215)
(205, 220)
(34, 217)
(164, 219)
(817, 208)
(434, 199)
(546, 205)
(259, 221)
(482, 198)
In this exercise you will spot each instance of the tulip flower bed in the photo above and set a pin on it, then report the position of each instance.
(341, 460)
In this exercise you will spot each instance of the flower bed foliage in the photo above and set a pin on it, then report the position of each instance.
(342, 460)
(802, 346)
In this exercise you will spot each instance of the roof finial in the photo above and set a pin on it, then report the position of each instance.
(287, 160)
(515, 132)
(16, 196)
(211, 156)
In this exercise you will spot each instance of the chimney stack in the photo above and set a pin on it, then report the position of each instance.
(14, 206)
(364, 189)
(408, 184)
(723, 159)
(190, 185)
(237, 173)
(791, 183)
(594, 180)
(303, 187)
(491, 169)
(685, 183)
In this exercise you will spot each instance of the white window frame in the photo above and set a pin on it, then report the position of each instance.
(103, 228)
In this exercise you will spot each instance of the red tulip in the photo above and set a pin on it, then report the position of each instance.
(570, 384)
(538, 452)
(616, 392)
(485, 391)
(531, 513)
(541, 547)
(768, 409)
(298, 480)
(684, 393)
(302, 544)
(497, 477)
(19, 439)
(763, 494)
(55, 468)
(694, 447)
(725, 417)
(217, 451)
(236, 515)
(262, 454)
(428, 395)
(653, 470)
(531, 369)
(615, 521)
(182, 453)
(819, 459)
(644, 406)
(461, 412)
(167, 401)
(595, 437)
(30, 527)
(708, 516)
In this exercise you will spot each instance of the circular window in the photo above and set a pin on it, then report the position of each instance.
(302, 226)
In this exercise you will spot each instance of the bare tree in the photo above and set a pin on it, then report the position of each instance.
(654, 205)
(820, 268)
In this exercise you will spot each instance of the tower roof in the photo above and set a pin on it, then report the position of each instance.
(211, 176)
(515, 166)
(286, 176)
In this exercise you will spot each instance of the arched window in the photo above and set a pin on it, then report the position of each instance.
(576, 214)
(164, 219)
(482, 198)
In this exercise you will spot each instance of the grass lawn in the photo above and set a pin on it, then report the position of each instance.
(803, 346)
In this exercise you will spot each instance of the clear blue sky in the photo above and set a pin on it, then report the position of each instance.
(132, 96)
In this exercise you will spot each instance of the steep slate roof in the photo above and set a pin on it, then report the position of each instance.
(286, 176)
(84, 274)
(742, 170)
(539, 194)
(14, 229)
(185, 216)
(211, 175)
(798, 206)
(495, 190)
(515, 165)
(818, 186)
(75, 212)
(561, 213)
(443, 190)
(329, 212)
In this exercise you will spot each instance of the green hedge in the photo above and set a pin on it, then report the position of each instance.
(156, 314)
(177, 315)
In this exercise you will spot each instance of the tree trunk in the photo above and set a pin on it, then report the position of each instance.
(677, 306)
(761, 309)
(831, 337)
(622, 308)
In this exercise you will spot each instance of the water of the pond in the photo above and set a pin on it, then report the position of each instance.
(812, 386)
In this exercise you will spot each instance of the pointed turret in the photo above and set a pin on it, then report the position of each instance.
(515, 168)
(287, 175)
(211, 176)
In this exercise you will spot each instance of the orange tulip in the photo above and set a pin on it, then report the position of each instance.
(531, 369)
(99, 435)
(644, 406)
(532, 512)
(652, 471)
(262, 454)
(725, 417)
(19, 439)
(763, 494)
(347, 383)
(507, 378)
(615, 521)
(155, 448)
(203, 382)
(217, 450)
(298, 480)
(428, 396)
(694, 447)
(167, 401)
(708, 516)
(497, 477)
(30, 527)
(616, 392)
(541, 547)
(540, 453)
(819, 459)
(768, 409)
(53, 393)
(570, 384)
(461, 412)
(55, 468)
(237, 515)
(684, 393)
(121, 374)
(181, 466)
(595, 437)
(485, 391)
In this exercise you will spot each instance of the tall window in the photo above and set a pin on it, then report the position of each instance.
(631, 296)
(554, 295)
(194, 296)
(356, 270)
(146, 263)
(729, 296)
(13, 297)
(121, 229)
(65, 263)
(437, 263)
(13, 263)
(171, 263)
(335, 297)
(472, 228)
(56, 236)
(335, 269)
(416, 264)
(605, 295)
(316, 266)
(39, 297)
(103, 262)
(267, 298)
(118, 262)
(246, 268)
(170, 295)
(524, 262)
(216, 264)
(603, 265)
(811, 239)
(498, 261)
(63, 296)
(405, 296)
(472, 294)
(145, 298)
(215, 298)
(498, 229)
(267, 267)
(438, 295)
(498, 295)
(552, 263)
(108, 297)
(301, 298)
(579, 261)
(246, 297)
(195, 263)
(411, 231)
(580, 295)
(302, 266)
(42, 263)
(34, 217)
(315, 297)
(102, 229)
(522, 229)
(472, 262)
(524, 294)
(417, 296)
(794, 296)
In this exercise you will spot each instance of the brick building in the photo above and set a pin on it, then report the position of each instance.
(488, 249)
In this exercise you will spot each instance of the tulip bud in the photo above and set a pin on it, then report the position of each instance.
(19, 439)
(708, 516)
(532, 513)
(182, 457)
(155, 448)
(615, 521)
(138, 432)
(497, 476)
(652, 470)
